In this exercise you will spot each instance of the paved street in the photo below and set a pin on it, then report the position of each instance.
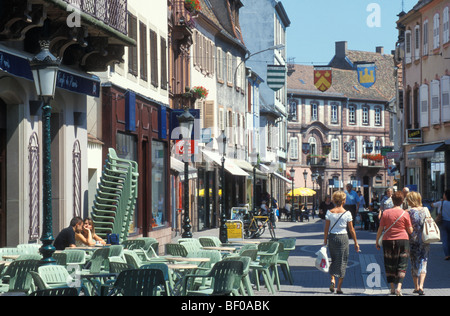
(358, 282)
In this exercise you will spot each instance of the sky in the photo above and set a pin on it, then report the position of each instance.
(317, 24)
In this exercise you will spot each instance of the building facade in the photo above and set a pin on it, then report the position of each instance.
(423, 50)
(86, 39)
(333, 134)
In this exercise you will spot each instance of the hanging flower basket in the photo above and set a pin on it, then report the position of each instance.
(373, 157)
(199, 92)
(192, 5)
(317, 156)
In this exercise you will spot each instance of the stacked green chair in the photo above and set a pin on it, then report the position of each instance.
(116, 197)
(267, 262)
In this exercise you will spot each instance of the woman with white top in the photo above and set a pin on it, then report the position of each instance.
(443, 207)
(338, 220)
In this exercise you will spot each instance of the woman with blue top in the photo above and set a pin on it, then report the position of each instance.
(443, 207)
(338, 220)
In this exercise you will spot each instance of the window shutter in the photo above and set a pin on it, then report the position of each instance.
(435, 98)
(164, 63)
(208, 114)
(408, 46)
(445, 100)
(132, 50)
(143, 50)
(424, 105)
(154, 58)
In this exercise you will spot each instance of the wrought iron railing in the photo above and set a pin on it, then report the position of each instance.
(182, 15)
(111, 12)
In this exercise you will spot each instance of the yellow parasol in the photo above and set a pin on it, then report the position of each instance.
(302, 192)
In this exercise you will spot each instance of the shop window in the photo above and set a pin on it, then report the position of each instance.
(159, 192)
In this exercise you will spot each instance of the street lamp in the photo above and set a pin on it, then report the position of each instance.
(223, 233)
(44, 67)
(305, 176)
(292, 171)
(186, 121)
(254, 164)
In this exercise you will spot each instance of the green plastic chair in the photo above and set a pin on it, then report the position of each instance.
(210, 241)
(67, 291)
(138, 282)
(167, 275)
(176, 250)
(39, 284)
(283, 256)
(244, 282)
(224, 275)
(267, 262)
(98, 260)
(29, 248)
(55, 276)
(17, 278)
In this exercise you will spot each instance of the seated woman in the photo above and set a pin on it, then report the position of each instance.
(88, 237)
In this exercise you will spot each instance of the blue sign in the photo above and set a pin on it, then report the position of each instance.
(366, 74)
(20, 67)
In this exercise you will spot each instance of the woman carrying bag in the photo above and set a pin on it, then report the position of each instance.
(419, 250)
(443, 220)
(337, 239)
(398, 226)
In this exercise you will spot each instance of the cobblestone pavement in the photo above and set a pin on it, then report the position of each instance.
(361, 278)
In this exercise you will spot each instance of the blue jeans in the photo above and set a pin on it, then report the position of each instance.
(445, 237)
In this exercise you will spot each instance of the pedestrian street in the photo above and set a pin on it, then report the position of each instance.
(362, 276)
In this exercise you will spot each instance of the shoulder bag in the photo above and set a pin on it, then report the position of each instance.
(430, 232)
(380, 240)
(337, 222)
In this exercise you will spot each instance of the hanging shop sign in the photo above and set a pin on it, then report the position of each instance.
(414, 136)
(323, 78)
(276, 77)
(366, 74)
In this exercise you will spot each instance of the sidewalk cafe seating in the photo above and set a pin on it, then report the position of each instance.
(169, 283)
(223, 274)
(138, 282)
(116, 197)
(176, 250)
(70, 257)
(210, 241)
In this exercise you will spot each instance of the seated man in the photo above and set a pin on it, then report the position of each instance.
(66, 238)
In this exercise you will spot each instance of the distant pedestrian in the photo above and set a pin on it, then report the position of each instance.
(386, 202)
(397, 225)
(419, 250)
(405, 192)
(338, 220)
(351, 201)
(443, 207)
(325, 206)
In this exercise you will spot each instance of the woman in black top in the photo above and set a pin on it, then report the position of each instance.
(325, 206)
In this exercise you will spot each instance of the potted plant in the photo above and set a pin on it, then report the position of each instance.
(192, 5)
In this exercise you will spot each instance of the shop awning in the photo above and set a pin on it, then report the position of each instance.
(425, 151)
(247, 167)
(178, 166)
(282, 178)
(230, 166)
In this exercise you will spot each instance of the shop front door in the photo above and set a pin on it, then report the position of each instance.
(2, 187)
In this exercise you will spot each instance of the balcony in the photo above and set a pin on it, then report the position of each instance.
(181, 21)
(317, 161)
(86, 34)
(369, 167)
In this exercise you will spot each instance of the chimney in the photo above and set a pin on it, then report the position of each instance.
(380, 50)
(341, 49)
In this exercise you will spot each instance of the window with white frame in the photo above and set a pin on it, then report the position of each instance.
(424, 97)
(352, 114)
(220, 64)
(314, 111)
(293, 148)
(352, 152)
(365, 115)
(425, 38)
(445, 99)
(229, 69)
(436, 31)
(377, 116)
(435, 101)
(408, 48)
(334, 113)
(378, 147)
(335, 149)
(445, 26)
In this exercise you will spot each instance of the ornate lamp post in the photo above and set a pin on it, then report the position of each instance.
(255, 165)
(292, 171)
(186, 121)
(223, 234)
(44, 67)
